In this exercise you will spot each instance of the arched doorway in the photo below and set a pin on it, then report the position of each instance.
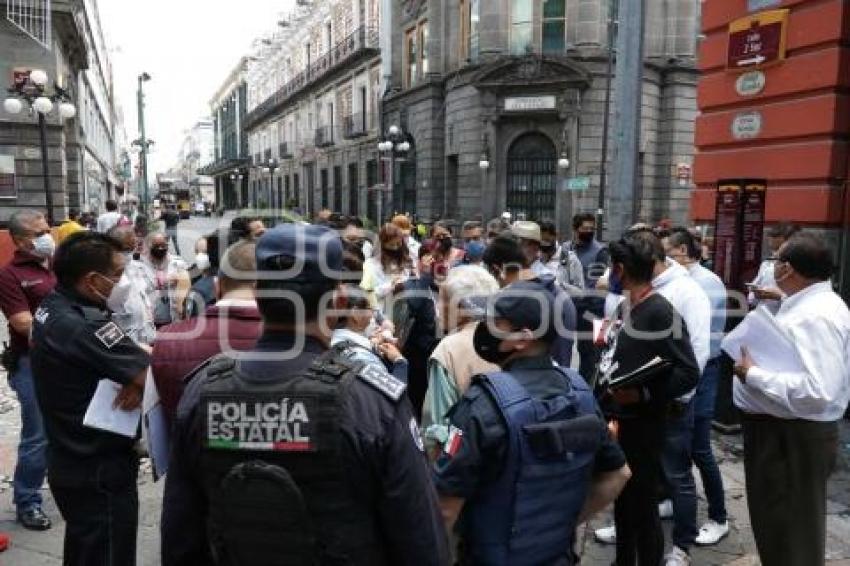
(531, 177)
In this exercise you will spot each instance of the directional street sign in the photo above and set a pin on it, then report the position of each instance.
(757, 41)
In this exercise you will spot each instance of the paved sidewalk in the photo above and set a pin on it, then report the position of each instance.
(738, 549)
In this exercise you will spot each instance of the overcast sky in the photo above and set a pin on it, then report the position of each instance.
(188, 47)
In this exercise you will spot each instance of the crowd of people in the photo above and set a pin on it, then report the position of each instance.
(454, 393)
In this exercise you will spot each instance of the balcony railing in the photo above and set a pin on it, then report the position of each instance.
(284, 151)
(362, 42)
(354, 126)
(324, 136)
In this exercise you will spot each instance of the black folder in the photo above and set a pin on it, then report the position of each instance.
(648, 372)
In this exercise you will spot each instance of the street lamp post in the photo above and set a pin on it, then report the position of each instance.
(32, 89)
(236, 177)
(613, 11)
(271, 166)
(393, 148)
(143, 143)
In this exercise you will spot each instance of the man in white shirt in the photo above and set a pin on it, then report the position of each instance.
(110, 218)
(791, 417)
(763, 290)
(683, 247)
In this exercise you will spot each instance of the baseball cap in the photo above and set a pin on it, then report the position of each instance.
(525, 305)
(527, 230)
(316, 251)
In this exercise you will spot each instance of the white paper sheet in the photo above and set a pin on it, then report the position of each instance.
(769, 345)
(101, 415)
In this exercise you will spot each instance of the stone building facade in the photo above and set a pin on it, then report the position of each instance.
(313, 90)
(229, 166)
(520, 86)
(82, 152)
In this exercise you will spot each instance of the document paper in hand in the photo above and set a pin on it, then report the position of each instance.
(103, 416)
(769, 345)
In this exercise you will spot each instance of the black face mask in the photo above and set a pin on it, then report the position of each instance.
(548, 250)
(445, 244)
(159, 253)
(586, 237)
(487, 345)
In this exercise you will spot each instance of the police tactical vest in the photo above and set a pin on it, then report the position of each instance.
(273, 468)
(527, 516)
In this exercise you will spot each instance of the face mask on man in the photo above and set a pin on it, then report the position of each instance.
(615, 284)
(475, 250)
(487, 345)
(202, 261)
(118, 296)
(44, 246)
(586, 237)
(159, 252)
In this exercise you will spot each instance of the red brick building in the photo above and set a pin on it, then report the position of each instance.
(789, 125)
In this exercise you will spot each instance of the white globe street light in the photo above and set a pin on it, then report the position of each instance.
(563, 163)
(38, 77)
(484, 164)
(13, 106)
(67, 110)
(394, 130)
(42, 105)
(404, 146)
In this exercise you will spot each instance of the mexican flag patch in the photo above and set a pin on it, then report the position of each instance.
(454, 442)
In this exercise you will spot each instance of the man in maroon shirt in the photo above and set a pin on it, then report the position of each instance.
(233, 323)
(24, 282)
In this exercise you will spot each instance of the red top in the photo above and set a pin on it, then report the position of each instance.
(24, 283)
(183, 346)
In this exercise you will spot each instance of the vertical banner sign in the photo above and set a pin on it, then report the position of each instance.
(726, 231)
(752, 228)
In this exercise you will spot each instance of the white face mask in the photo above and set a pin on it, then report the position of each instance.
(202, 261)
(119, 295)
(44, 246)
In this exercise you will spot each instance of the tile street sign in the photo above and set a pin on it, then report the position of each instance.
(578, 184)
(757, 41)
(756, 5)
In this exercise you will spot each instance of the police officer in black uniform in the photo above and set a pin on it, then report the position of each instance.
(292, 453)
(75, 345)
(528, 455)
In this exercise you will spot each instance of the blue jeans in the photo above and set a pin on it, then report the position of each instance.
(702, 454)
(32, 465)
(677, 464)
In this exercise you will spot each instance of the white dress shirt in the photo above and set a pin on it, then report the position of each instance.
(677, 286)
(818, 322)
(107, 220)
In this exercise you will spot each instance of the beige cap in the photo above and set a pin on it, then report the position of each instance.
(526, 230)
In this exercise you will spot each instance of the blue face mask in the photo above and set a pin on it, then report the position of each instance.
(474, 250)
(615, 284)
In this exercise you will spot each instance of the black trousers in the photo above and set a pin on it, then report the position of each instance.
(100, 504)
(640, 539)
(787, 464)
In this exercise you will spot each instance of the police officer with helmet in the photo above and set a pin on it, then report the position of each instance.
(293, 453)
(528, 456)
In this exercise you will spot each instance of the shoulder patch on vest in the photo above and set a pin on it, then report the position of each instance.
(381, 380)
(109, 334)
(414, 432)
(260, 422)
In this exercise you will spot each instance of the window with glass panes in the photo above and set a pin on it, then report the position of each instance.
(554, 26)
(423, 49)
(410, 54)
(522, 32)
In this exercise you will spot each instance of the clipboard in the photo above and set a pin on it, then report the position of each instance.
(643, 375)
